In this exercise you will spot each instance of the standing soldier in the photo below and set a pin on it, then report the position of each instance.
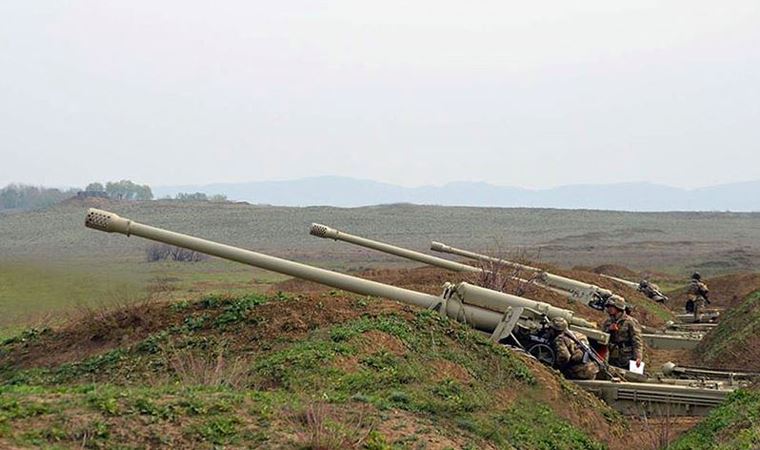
(626, 343)
(571, 357)
(652, 291)
(697, 295)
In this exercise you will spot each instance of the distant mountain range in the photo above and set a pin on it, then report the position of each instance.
(350, 192)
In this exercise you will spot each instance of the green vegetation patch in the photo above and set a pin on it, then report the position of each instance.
(733, 425)
(202, 338)
(732, 333)
(530, 426)
(202, 379)
(656, 309)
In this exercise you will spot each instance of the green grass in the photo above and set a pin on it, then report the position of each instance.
(656, 309)
(736, 326)
(288, 386)
(32, 292)
(733, 425)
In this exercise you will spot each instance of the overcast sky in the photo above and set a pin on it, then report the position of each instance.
(531, 94)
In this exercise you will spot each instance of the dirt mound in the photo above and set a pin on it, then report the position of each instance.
(735, 342)
(92, 332)
(100, 331)
(298, 285)
(90, 202)
(446, 384)
(731, 425)
(725, 291)
(616, 271)
(424, 279)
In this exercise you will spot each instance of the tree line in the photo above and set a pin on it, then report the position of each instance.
(22, 196)
(122, 190)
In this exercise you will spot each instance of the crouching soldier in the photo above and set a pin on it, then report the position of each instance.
(571, 357)
(652, 291)
(626, 343)
(697, 296)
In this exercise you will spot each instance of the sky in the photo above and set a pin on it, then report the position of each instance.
(529, 94)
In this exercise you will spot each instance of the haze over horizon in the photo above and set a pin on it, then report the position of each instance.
(535, 96)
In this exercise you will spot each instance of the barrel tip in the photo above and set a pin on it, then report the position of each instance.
(319, 230)
(436, 246)
(98, 219)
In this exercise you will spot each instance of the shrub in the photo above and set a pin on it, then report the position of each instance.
(165, 252)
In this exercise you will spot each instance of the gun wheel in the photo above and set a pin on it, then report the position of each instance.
(543, 353)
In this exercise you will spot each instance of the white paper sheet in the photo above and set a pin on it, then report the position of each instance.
(632, 367)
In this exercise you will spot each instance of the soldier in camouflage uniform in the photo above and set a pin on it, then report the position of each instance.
(697, 296)
(652, 291)
(571, 359)
(626, 343)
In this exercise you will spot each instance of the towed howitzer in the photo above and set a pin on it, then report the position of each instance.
(595, 296)
(653, 338)
(485, 310)
(684, 322)
(650, 290)
(592, 295)
(501, 315)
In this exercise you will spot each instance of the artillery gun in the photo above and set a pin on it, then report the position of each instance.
(708, 317)
(650, 290)
(594, 295)
(654, 338)
(492, 312)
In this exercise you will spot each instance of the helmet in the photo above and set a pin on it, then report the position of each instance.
(696, 276)
(616, 301)
(559, 324)
(643, 284)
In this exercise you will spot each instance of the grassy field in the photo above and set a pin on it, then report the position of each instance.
(675, 242)
(50, 263)
(49, 292)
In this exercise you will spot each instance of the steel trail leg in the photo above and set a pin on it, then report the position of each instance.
(507, 323)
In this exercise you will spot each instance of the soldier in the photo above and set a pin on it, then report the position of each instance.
(652, 291)
(626, 343)
(697, 296)
(571, 357)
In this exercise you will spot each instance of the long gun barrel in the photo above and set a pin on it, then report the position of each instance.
(326, 232)
(670, 368)
(460, 302)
